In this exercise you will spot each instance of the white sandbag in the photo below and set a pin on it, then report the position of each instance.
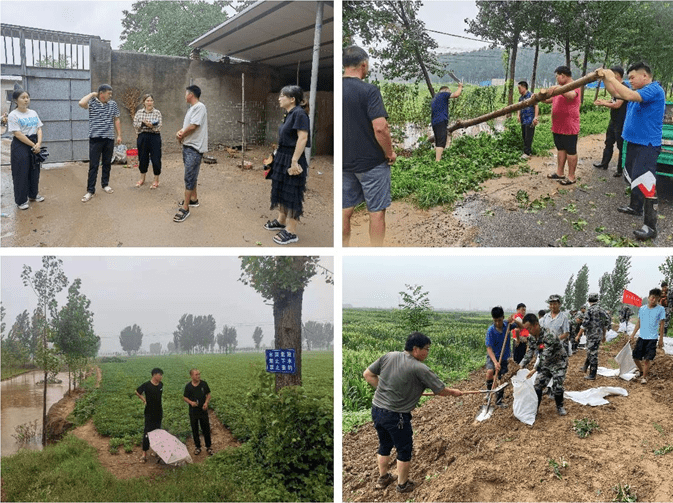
(668, 345)
(611, 334)
(594, 396)
(525, 398)
(625, 360)
(626, 327)
(606, 372)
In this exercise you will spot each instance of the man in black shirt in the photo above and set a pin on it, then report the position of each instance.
(614, 132)
(367, 148)
(197, 395)
(152, 390)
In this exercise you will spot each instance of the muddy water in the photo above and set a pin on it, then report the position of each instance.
(22, 403)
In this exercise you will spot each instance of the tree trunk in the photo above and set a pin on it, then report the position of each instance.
(504, 89)
(585, 62)
(598, 87)
(535, 58)
(536, 98)
(512, 68)
(567, 50)
(287, 328)
(403, 15)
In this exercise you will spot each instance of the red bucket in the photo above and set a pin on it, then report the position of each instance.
(132, 151)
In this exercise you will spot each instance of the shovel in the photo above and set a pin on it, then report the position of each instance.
(486, 411)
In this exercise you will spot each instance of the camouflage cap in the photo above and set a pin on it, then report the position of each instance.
(554, 298)
(593, 297)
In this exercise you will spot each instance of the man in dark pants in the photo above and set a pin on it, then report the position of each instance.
(153, 390)
(439, 106)
(103, 123)
(643, 129)
(528, 117)
(614, 132)
(197, 395)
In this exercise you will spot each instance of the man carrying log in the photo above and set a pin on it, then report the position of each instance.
(643, 129)
(565, 126)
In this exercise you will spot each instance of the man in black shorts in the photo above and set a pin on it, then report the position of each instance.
(197, 396)
(400, 378)
(650, 322)
(152, 390)
(440, 117)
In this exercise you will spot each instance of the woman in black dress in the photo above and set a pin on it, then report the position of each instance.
(288, 179)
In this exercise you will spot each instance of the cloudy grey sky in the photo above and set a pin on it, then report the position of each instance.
(481, 282)
(101, 18)
(449, 17)
(154, 292)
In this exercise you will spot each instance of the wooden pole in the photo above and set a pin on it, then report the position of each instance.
(243, 121)
(536, 98)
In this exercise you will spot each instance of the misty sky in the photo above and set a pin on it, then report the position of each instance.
(449, 17)
(154, 292)
(481, 282)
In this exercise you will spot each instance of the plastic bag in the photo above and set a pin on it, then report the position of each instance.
(119, 154)
(610, 334)
(525, 398)
(594, 396)
(625, 360)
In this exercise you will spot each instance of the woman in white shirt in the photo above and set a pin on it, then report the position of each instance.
(27, 129)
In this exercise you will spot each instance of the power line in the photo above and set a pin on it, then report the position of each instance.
(458, 36)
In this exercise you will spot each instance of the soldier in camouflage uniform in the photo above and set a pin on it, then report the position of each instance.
(664, 301)
(553, 362)
(595, 324)
(576, 318)
(625, 314)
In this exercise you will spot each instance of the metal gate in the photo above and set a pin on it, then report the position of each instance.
(55, 69)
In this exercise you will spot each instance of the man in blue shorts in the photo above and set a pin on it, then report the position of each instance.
(643, 129)
(650, 322)
(367, 148)
(439, 107)
(400, 378)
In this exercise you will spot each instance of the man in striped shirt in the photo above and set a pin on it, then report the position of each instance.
(103, 123)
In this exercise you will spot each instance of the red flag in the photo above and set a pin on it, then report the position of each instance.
(632, 298)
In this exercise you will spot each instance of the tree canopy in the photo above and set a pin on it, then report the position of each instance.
(131, 338)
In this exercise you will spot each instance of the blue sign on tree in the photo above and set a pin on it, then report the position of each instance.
(281, 361)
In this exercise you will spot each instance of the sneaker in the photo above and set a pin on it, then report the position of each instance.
(561, 411)
(108, 189)
(385, 480)
(273, 225)
(38, 198)
(525, 156)
(285, 238)
(24, 206)
(197, 451)
(209, 451)
(643, 381)
(193, 204)
(181, 215)
(87, 197)
(407, 487)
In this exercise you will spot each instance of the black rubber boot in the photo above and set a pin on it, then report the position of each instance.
(559, 404)
(538, 392)
(592, 373)
(585, 366)
(489, 384)
(649, 230)
(605, 162)
(498, 399)
(635, 206)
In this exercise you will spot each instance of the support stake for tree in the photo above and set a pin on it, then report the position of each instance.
(536, 98)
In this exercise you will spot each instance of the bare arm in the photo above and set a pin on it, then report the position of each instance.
(458, 92)
(84, 102)
(371, 378)
(205, 404)
(450, 392)
(24, 139)
(118, 128)
(661, 334)
(189, 402)
(635, 329)
(617, 89)
(184, 132)
(563, 337)
(571, 95)
(382, 133)
(141, 397)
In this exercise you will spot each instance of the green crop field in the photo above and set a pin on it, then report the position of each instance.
(457, 349)
(288, 437)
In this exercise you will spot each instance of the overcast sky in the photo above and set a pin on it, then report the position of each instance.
(449, 17)
(481, 282)
(154, 292)
(101, 18)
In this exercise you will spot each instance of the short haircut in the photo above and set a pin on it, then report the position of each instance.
(520, 305)
(664, 283)
(639, 66)
(16, 94)
(104, 87)
(523, 83)
(497, 312)
(157, 370)
(530, 318)
(541, 313)
(353, 56)
(444, 87)
(297, 93)
(191, 371)
(619, 70)
(416, 340)
(195, 90)
(656, 292)
(563, 70)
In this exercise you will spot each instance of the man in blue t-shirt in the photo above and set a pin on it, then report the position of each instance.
(439, 106)
(497, 341)
(528, 119)
(367, 148)
(650, 322)
(643, 129)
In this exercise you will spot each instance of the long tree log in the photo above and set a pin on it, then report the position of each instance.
(532, 101)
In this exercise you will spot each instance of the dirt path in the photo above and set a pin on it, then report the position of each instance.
(502, 459)
(234, 206)
(578, 216)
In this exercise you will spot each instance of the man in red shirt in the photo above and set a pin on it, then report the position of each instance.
(565, 125)
(520, 336)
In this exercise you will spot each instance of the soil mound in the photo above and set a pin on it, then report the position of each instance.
(502, 459)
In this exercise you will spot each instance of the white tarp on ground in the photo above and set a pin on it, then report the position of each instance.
(611, 334)
(626, 327)
(169, 448)
(594, 396)
(525, 398)
(668, 345)
(626, 365)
